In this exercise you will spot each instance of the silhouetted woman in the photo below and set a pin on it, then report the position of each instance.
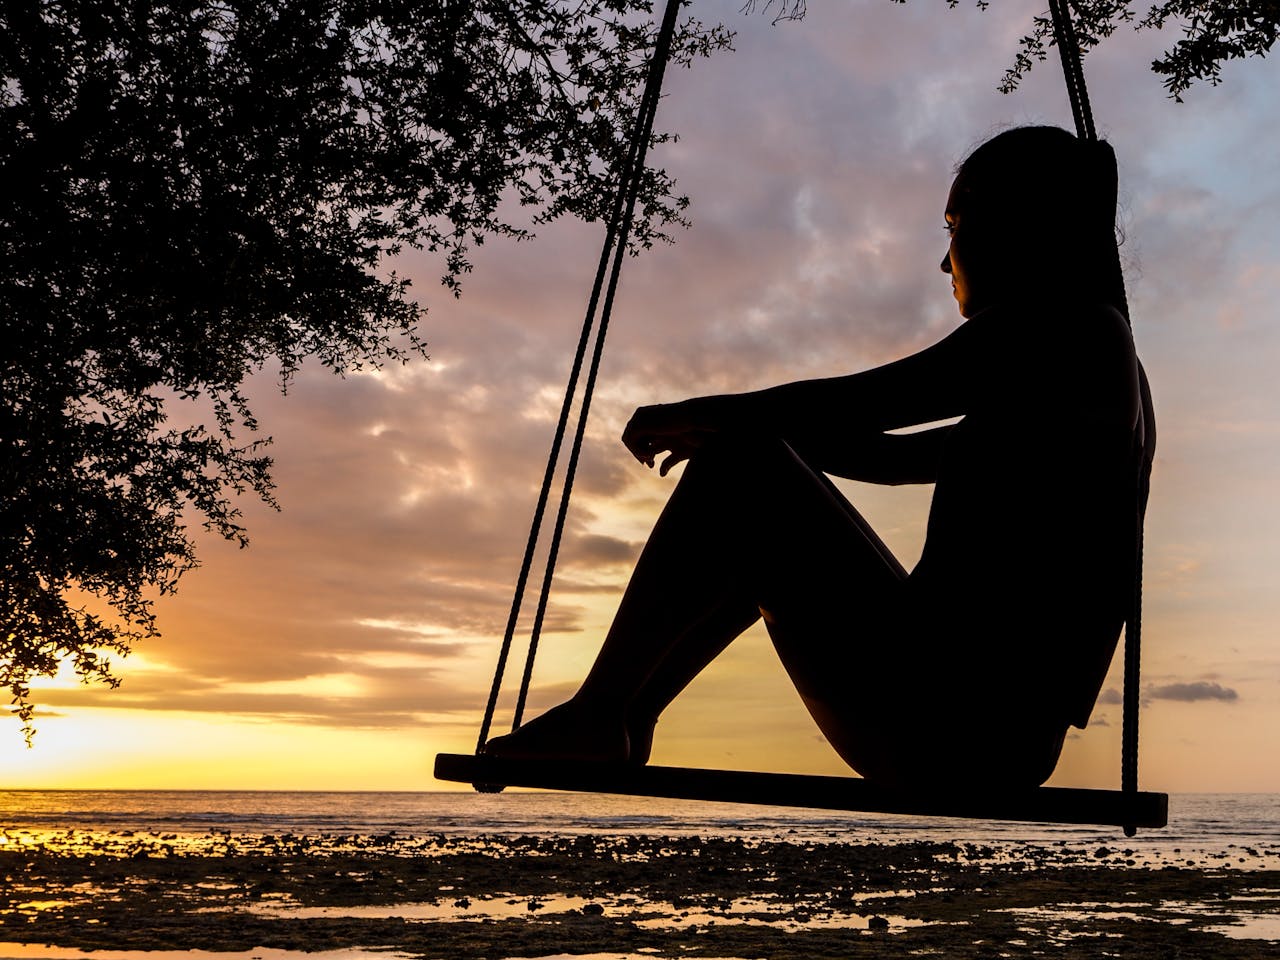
(971, 666)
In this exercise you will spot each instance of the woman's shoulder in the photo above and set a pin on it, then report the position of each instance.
(1066, 321)
(1075, 354)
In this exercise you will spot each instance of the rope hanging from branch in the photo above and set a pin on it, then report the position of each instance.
(1064, 34)
(608, 270)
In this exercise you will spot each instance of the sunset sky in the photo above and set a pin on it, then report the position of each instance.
(356, 637)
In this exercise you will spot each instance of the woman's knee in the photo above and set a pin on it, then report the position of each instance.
(750, 459)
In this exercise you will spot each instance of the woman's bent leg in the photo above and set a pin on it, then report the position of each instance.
(750, 528)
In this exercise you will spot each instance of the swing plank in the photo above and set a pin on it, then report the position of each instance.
(1041, 805)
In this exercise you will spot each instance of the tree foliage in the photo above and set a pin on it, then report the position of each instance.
(1213, 32)
(196, 190)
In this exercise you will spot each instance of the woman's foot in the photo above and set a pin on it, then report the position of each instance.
(569, 731)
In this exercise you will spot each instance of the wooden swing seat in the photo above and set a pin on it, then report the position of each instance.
(1042, 804)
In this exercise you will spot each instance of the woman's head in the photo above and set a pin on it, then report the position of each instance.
(1033, 210)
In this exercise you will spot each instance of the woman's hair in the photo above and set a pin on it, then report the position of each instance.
(1048, 200)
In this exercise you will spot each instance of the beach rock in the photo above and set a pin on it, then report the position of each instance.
(877, 923)
(592, 909)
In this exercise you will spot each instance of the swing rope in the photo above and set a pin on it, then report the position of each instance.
(629, 177)
(1068, 43)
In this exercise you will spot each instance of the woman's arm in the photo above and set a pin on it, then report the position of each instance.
(887, 458)
(827, 419)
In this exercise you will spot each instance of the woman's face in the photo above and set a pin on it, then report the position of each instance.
(969, 258)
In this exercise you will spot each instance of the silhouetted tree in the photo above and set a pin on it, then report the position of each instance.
(194, 190)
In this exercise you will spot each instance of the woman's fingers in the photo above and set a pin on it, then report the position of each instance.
(672, 459)
(633, 436)
(642, 446)
(654, 430)
(646, 434)
(682, 449)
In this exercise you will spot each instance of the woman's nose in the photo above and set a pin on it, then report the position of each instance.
(946, 263)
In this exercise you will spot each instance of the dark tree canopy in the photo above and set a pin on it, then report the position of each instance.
(198, 189)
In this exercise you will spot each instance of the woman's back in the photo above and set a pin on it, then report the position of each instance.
(1033, 511)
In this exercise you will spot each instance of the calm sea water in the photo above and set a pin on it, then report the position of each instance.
(1203, 821)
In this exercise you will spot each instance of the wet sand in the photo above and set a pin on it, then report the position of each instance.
(503, 896)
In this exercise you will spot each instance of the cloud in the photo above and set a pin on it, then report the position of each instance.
(387, 697)
(1110, 697)
(598, 550)
(1191, 692)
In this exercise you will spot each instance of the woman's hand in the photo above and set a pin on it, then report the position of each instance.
(674, 428)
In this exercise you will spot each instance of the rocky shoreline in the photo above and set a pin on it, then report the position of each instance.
(539, 896)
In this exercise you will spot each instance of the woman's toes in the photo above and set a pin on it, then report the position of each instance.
(563, 733)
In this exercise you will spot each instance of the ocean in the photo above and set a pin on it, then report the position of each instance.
(1196, 821)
